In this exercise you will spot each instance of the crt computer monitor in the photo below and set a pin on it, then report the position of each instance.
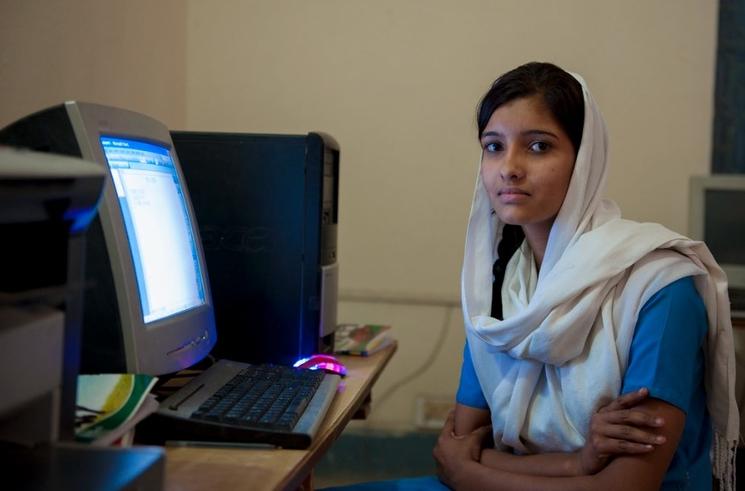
(717, 216)
(147, 304)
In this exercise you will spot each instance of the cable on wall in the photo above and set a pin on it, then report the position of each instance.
(439, 343)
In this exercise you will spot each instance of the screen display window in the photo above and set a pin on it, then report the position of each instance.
(158, 226)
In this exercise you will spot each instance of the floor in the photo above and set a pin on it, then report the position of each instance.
(361, 456)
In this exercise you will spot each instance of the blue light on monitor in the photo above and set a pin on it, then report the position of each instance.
(158, 226)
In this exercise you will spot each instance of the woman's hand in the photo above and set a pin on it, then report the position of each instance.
(618, 429)
(453, 452)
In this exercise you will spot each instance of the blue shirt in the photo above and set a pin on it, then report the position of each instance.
(667, 357)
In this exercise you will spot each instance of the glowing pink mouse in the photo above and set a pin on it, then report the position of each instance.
(327, 363)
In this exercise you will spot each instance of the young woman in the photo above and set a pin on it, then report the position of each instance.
(567, 306)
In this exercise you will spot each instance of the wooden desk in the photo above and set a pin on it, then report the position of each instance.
(217, 469)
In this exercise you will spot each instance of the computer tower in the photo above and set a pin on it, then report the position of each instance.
(267, 208)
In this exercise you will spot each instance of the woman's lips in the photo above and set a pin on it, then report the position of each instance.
(512, 195)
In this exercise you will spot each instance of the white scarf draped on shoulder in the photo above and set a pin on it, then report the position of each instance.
(562, 349)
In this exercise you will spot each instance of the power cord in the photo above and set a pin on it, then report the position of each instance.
(439, 343)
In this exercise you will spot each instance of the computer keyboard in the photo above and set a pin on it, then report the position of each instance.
(238, 402)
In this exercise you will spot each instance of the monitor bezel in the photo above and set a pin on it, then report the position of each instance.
(699, 185)
(174, 342)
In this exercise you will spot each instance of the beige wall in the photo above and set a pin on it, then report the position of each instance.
(128, 54)
(396, 82)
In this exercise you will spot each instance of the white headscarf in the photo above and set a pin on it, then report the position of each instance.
(562, 350)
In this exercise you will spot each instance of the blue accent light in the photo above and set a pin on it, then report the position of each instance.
(80, 218)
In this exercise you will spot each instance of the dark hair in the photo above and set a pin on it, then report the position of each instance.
(561, 92)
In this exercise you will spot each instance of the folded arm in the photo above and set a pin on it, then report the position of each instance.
(619, 428)
(460, 470)
(468, 419)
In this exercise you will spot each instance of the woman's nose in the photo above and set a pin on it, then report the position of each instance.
(512, 167)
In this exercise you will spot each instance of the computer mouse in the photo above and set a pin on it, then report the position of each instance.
(327, 363)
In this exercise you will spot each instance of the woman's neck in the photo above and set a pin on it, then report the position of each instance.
(537, 237)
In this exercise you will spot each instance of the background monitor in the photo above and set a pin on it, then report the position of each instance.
(717, 216)
(147, 305)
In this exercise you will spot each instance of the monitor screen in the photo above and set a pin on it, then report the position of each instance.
(724, 224)
(156, 219)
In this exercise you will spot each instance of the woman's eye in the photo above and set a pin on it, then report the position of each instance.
(539, 147)
(492, 147)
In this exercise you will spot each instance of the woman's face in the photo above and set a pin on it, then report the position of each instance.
(526, 165)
